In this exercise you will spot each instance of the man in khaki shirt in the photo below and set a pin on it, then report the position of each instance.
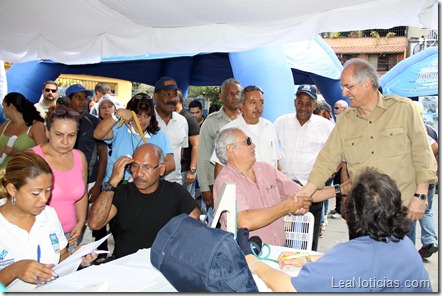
(385, 132)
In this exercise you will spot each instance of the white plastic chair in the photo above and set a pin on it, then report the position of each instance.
(227, 203)
(299, 231)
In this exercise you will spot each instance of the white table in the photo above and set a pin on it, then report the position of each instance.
(274, 254)
(133, 273)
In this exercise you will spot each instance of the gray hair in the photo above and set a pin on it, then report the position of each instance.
(242, 97)
(363, 70)
(225, 137)
(229, 81)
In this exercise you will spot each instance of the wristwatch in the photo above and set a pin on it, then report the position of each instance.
(421, 196)
(108, 187)
(337, 188)
(193, 170)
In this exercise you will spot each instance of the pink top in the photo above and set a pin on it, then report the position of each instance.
(68, 188)
(273, 187)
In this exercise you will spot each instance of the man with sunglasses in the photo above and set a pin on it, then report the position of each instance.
(49, 95)
(142, 207)
(264, 195)
(340, 107)
(261, 130)
(301, 136)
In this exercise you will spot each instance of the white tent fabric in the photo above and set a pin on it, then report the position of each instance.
(86, 31)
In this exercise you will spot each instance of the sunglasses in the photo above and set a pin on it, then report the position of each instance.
(142, 96)
(253, 87)
(61, 112)
(50, 90)
(249, 141)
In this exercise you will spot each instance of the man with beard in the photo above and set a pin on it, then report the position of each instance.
(302, 135)
(261, 131)
(49, 97)
(142, 207)
(171, 123)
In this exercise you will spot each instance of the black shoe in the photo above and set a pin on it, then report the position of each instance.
(428, 250)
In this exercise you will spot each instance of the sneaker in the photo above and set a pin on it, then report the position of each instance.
(332, 212)
(428, 250)
(336, 216)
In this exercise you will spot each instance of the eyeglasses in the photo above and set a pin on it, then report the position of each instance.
(336, 108)
(253, 87)
(347, 88)
(61, 112)
(50, 90)
(134, 167)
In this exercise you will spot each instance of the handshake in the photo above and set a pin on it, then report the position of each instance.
(298, 205)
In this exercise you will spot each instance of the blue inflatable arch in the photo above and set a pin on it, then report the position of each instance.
(266, 67)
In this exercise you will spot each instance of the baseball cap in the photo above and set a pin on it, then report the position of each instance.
(74, 88)
(308, 89)
(106, 98)
(165, 83)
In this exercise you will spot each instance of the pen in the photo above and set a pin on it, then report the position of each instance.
(298, 255)
(38, 258)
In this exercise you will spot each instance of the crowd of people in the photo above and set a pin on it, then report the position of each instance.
(132, 168)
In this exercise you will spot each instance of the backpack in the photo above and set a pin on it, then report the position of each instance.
(197, 258)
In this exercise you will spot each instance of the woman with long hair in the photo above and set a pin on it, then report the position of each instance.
(24, 122)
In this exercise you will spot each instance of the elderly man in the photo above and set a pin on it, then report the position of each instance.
(264, 195)
(261, 130)
(142, 207)
(340, 107)
(385, 132)
(302, 135)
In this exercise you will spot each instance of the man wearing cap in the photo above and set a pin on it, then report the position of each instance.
(49, 97)
(171, 123)
(301, 136)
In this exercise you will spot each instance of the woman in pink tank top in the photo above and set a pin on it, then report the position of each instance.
(69, 166)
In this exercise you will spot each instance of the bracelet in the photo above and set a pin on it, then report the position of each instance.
(252, 267)
(114, 117)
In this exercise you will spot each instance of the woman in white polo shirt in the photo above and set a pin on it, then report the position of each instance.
(32, 240)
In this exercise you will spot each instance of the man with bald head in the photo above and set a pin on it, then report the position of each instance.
(142, 207)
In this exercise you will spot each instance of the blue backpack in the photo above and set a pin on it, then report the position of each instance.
(197, 258)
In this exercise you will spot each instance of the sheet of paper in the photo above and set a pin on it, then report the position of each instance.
(72, 262)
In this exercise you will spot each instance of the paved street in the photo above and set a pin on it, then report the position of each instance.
(336, 232)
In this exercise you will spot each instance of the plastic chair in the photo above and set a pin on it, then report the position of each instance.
(299, 231)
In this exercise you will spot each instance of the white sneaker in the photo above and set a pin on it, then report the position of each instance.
(336, 216)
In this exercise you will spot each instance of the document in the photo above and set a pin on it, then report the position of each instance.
(72, 262)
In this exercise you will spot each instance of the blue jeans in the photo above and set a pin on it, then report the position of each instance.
(428, 226)
(325, 204)
(191, 187)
